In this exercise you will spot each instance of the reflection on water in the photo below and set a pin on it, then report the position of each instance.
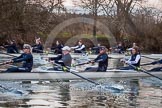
(112, 93)
(50, 95)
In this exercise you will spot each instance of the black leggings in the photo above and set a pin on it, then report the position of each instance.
(17, 69)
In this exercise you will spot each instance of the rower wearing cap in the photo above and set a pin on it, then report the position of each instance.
(133, 60)
(26, 58)
(64, 59)
(102, 60)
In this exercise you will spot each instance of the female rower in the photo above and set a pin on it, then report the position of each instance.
(38, 47)
(58, 48)
(26, 58)
(134, 60)
(80, 48)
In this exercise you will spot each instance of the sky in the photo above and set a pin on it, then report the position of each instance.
(68, 3)
(149, 3)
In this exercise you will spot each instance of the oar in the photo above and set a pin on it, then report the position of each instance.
(146, 64)
(79, 64)
(149, 57)
(73, 72)
(144, 71)
(15, 91)
(8, 54)
(44, 52)
(4, 63)
(112, 58)
(153, 63)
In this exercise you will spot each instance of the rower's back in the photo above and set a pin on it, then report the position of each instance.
(67, 60)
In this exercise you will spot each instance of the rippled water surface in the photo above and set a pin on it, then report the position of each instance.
(112, 93)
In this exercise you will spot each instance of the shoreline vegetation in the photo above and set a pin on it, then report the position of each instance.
(128, 22)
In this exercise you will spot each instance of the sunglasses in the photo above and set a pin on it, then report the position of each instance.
(26, 48)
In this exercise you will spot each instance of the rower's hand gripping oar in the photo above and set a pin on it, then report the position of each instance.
(144, 71)
(67, 69)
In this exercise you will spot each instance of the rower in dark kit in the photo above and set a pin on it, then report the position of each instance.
(58, 48)
(133, 60)
(63, 59)
(26, 58)
(119, 48)
(102, 60)
(96, 49)
(38, 47)
(11, 47)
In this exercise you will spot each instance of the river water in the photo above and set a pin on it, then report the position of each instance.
(112, 93)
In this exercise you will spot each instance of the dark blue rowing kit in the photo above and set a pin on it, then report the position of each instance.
(102, 60)
(57, 49)
(27, 60)
(38, 48)
(11, 48)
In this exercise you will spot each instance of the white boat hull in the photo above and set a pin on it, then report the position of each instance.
(69, 76)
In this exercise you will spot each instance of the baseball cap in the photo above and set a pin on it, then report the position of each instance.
(102, 48)
(26, 46)
(66, 48)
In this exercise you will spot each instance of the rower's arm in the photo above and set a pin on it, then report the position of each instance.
(101, 58)
(22, 58)
(56, 58)
(138, 57)
(60, 62)
(83, 46)
(18, 57)
(75, 47)
(95, 48)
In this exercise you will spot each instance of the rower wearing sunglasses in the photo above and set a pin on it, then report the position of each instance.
(27, 59)
(101, 59)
